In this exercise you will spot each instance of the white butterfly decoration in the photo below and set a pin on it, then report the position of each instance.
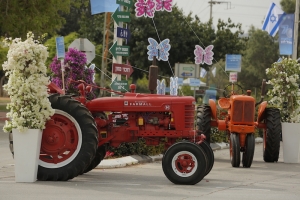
(92, 67)
(161, 87)
(160, 51)
(174, 86)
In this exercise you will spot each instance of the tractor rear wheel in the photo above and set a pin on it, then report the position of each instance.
(272, 134)
(204, 120)
(101, 151)
(249, 150)
(100, 154)
(184, 163)
(235, 151)
(69, 140)
(210, 156)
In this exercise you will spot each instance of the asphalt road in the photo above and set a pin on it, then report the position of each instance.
(265, 181)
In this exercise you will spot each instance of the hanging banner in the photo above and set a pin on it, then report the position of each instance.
(233, 62)
(103, 6)
(60, 47)
(286, 35)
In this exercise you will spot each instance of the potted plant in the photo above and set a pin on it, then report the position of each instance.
(284, 95)
(29, 106)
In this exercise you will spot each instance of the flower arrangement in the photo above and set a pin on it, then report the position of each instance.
(284, 76)
(27, 84)
(75, 69)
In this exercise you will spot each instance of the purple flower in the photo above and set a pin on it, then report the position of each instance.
(75, 62)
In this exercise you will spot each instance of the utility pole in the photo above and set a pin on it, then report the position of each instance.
(296, 23)
(211, 2)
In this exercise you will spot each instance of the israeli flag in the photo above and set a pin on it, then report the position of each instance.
(273, 19)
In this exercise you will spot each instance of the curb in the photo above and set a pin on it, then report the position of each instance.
(135, 159)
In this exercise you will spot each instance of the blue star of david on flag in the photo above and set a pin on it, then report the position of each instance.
(273, 19)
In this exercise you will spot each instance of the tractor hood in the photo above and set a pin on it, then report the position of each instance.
(139, 102)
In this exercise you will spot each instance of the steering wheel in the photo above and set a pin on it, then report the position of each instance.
(232, 89)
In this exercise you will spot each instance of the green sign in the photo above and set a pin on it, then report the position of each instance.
(117, 50)
(120, 86)
(127, 3)
(121, 16)
(188, 69)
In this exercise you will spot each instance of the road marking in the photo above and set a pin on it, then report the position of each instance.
(106, 183)
(238, 188)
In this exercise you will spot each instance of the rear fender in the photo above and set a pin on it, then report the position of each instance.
(54, 89)
(213, 108)
(261, 110)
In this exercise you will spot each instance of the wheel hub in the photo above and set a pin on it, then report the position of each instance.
(60, 139)
(185, 163)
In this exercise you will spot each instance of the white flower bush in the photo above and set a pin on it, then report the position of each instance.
(27, 84)
(284, 94)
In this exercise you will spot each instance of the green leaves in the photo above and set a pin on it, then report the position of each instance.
(284, 94)
(43, 16)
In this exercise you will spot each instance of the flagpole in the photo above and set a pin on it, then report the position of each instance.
(295, 44)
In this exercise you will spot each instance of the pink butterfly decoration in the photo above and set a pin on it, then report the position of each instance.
(162, 5)
(204, 55)
(144, 8)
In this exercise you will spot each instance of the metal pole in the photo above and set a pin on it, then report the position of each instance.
(119, 42)
(295, 44)
(102, 81)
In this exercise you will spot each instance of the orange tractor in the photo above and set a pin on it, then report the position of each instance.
(240, 125)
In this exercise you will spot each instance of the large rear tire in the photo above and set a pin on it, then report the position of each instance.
(100, 154)
(235, 150)
(272, 134)
(184, 163)
(204, 120)
(69, 140)
(249, 151)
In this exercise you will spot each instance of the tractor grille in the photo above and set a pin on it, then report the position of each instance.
(189, 116)
(243, 111)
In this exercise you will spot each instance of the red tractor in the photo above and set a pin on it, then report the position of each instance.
(240, 125)
(77, 136)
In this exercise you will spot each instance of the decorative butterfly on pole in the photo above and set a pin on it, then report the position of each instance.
(92, 67)
(160, 51)
(162, 5)
(174, 86)
(204, 55)
(161, 87)
(144, 8)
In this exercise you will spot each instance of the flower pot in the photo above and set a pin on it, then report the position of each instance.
(27, 147)
(291, 142)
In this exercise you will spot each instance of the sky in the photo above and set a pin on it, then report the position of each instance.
(246, 12)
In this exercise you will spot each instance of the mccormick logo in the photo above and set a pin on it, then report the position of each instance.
(137, 103)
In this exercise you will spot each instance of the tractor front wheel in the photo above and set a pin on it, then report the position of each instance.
(185, 163)
(249, 150)
(235, 150)
(210, 156)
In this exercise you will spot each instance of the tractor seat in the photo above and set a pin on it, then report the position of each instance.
(224, 103)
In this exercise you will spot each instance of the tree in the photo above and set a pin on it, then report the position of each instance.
(184, 33)
(227, 41)
(261, 52)
(43, 16)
